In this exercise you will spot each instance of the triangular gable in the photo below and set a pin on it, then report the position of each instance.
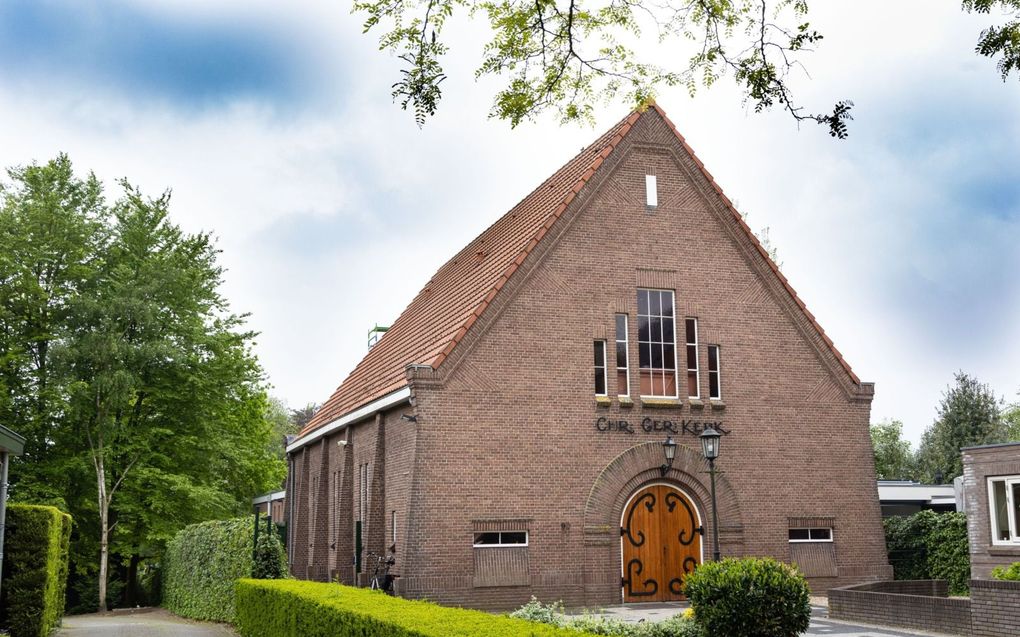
(439, 317)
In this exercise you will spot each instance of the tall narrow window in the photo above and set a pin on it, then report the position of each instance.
(714, 386)
(393, 526)
(656, 343)
(622, 368)
(600, 368)
(693, 378)
(651, 191)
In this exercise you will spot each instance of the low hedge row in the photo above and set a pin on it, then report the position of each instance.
(293, 608)
(203, 561)
(35, 569)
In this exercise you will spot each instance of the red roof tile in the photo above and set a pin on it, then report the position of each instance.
(438, 318)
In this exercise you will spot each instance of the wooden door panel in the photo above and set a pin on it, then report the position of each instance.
(661, 544)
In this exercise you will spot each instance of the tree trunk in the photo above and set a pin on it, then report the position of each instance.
(104, 530)
(131, 593)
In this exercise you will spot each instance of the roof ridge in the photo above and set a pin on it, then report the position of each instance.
(757, 244)
(622, 128)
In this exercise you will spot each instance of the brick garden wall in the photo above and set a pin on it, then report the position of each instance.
(993, 609)
(996, 608)
(921, 604)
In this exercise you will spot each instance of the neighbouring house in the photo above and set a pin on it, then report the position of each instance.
(991, 475)
(508, 434)
(901, 498)
(271, 504)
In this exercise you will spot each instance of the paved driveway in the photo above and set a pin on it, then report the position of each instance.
(143, 622)
(820, 623)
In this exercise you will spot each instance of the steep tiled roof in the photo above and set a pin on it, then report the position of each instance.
(457, 295)
(437, 319)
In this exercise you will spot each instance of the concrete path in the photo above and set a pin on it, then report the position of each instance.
(820, 623)
(142, 622)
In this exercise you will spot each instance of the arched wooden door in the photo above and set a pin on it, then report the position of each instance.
(661, 538)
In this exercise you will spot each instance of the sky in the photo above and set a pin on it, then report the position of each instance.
(272, 124)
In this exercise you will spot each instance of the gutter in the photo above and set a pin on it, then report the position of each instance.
(389, 400)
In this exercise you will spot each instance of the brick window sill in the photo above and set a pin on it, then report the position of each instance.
(602, 401)
(1008, 551)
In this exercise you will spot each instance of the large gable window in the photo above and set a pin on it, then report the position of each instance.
(1004, 509)
(657, 343)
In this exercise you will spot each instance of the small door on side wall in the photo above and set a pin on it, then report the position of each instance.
(661, 539)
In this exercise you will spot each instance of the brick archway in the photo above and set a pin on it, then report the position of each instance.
(624, 475)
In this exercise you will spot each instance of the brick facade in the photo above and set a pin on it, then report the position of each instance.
(505, 436)
(979, 464)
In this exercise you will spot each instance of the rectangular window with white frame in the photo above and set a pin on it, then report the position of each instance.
(714, 378)
(491, 539)
(600, 368)
(1004, 509)
(622, 366)
(693, 375)
(656, 344)
(811, 535)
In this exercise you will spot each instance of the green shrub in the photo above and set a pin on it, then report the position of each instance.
(750, 597)
(1009, 573)
(204, 560)
(35, 568)
(292, 608)
(929, 545)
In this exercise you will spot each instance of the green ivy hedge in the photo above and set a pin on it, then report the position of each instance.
(292, 608)
(749, 597)
(35, 569)
(204, 560)
(929, 545)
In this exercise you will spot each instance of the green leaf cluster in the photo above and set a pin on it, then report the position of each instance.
(929, 545)
(35, 569)
(292, 608)
(1009, 573)
(893, 458)
(749, 597)
(203, 561)
(135, 384)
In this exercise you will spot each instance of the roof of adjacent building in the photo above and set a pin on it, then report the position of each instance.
(451, 302)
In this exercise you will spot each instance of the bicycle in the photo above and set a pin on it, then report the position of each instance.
(381, 578)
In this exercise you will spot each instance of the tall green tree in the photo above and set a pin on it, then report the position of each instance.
(568, 55)
(146, 389)
(970, 414)
(893, 458)
(1011, 418)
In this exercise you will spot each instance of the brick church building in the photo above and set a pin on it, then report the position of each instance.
(506, 434)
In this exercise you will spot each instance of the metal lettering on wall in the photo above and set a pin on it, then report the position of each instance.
(650, 425)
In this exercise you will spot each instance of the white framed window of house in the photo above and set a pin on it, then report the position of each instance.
(657, 344)
(651, 192)
(810, 535)
(622, 359)
(496, 539)
(1004, 509)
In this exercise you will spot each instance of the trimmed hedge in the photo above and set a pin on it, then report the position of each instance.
(929, 545)
(293, 608)
(204, 560)
(35, 568)
(749, 597)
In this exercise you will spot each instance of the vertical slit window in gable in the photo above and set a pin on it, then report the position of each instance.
(651, 192)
